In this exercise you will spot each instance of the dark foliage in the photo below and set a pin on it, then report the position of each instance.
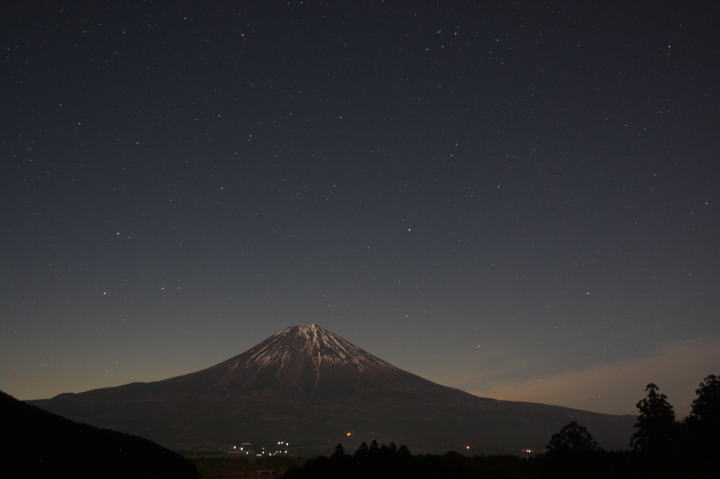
(706, 406)
(389, 461)
(657, 435)
(702, 429)
(573, 452)
(36, 443)
(572, 439)
(656, 428)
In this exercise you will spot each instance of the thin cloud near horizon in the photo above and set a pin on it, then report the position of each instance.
(616, 387)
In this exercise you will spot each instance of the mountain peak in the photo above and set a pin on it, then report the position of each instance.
(312, 333)
(311, 342)
(296, 358)
(306, 329)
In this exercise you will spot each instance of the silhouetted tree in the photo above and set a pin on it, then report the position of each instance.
(571, 453)
(374, 448)
(361, 451)
(702, 427)
(339, 452)
(572, 439)
(706, 406)
(403, 451)
(655, 428)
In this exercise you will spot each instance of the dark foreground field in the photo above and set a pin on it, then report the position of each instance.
(388, 462)
(234, 466)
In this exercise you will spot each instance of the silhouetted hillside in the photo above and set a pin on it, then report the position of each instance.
(36, 443)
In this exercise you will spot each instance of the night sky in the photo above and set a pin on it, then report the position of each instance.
(517, 198)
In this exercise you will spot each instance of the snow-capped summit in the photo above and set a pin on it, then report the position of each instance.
(300, 358)
(311, 340)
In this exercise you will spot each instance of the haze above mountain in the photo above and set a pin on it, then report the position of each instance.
(308, 386)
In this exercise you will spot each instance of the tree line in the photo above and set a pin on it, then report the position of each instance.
(660, 447)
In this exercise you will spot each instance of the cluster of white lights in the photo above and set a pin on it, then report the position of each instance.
(274, 453)
(241, 450)
(279, 449)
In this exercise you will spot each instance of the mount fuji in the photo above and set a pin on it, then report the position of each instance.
(310, 387)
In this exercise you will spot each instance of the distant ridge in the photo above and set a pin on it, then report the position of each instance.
(309, 386)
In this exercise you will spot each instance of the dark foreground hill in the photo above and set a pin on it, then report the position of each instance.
(36, 443)
(308, 386)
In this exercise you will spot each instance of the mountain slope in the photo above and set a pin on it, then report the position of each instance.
(308, 386)
(37, 443)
